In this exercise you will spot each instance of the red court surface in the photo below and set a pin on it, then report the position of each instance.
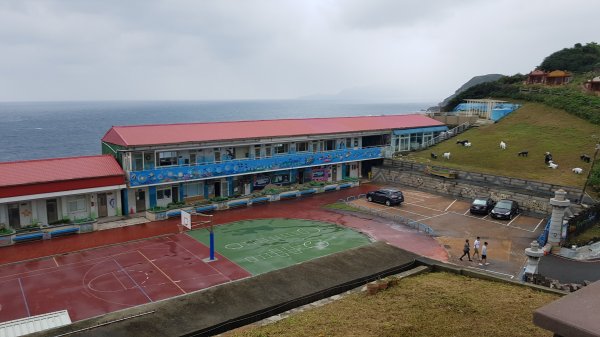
(98, 281)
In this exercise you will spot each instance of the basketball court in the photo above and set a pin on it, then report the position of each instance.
(97, 281)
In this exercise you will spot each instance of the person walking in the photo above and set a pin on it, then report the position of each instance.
(484, 254)
(466, 250)
(476, 246)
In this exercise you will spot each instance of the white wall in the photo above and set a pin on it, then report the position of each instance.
(4, 214)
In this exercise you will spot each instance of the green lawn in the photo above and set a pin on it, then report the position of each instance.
(535, 128)
(263, 245)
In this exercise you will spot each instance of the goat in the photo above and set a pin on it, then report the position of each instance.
(462, 142)
(577, 170)
(552, 165)
(433, 155)
(585, 158)
(467, 144)
(547, 158)
(523, 153)
(502, 145)
(446, 155)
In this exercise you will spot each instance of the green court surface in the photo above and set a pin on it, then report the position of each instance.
(260, 246)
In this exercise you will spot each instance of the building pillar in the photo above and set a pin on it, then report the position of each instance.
(230, 186)
(152, 196)
(559, 205)
(206, 189)
(533, 258)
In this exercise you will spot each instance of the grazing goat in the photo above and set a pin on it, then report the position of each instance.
(552, 165)
(467, 144)
(446, 155)
(577, 170)
(523, 153)
(547, 157)
(462, 142)
(502, 145)
(433, 155)
(585, 158)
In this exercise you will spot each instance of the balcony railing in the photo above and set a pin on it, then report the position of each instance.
(248, 166)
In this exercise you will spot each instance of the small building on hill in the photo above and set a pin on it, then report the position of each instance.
(536, 77)
(593, 84)
(558, 77)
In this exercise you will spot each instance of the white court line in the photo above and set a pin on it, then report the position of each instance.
(452, 203)
(539, 223)
(491, 271)
(511, 221)
(161, 271)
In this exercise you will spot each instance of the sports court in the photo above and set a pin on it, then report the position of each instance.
(97, 281)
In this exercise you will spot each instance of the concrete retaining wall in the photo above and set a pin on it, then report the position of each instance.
(532, 196)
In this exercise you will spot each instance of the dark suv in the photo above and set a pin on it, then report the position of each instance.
(482, 206)
(505, 209)
(386, 196)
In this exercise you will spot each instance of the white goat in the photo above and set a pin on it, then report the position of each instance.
(552, 165)
(577, 170)
(467, 144)
(446, 155)
(502, 145)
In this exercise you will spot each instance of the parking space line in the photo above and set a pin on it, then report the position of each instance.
(429, 208)
(431, 217)
(511, 221)
(467, 211)
(539, 223)
(452, 203)
(523, 229)
(474, 217)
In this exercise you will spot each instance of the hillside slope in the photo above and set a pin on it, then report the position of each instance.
(535, 128)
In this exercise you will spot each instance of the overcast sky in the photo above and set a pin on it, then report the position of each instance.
(414, 51)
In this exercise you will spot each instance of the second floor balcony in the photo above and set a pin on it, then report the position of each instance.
(248, 166)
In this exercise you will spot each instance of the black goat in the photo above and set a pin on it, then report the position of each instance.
(433, 155)
(523, 153)
(585, 158)
(462, 142)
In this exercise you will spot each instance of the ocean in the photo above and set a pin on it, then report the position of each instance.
(35, 130)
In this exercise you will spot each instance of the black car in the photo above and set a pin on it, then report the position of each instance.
(482, 205)
(386, 196)
(505, 209)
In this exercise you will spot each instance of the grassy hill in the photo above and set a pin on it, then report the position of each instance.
(535, 128)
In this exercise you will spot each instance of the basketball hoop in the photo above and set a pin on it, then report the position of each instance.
(186, 221)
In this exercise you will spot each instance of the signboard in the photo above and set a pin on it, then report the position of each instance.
(186, 219)
(320, 174)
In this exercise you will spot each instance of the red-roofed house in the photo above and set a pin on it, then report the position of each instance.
(178, 162)
(47, 191)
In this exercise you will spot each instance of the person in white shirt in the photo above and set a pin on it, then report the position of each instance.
(476, 246)
(484, 254)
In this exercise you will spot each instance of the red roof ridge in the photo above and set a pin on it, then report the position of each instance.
(262, 120)
(53, 159)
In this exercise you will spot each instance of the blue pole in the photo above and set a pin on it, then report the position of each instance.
(212, 245)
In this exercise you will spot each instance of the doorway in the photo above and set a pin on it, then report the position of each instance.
(140, 200)
(175, 194)
(217, 189)
(14, 216)
(52, 210)
(102, 206)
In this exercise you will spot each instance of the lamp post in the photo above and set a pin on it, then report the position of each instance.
(589, 173)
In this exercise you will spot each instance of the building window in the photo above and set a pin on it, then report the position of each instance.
(315, 147)
(192, 189)
(76, 205)
(348, 143)
(280, 148)
(267, 150)
(302, 147)
(163, 193)
(330, 145)
(257, 152)
(168, 158)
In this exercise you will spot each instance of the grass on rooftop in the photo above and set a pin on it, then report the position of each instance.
(433, 304)
(535, 128)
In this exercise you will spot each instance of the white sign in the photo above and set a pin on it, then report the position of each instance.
(186, 219)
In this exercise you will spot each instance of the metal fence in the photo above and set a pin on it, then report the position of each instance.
(384, 213)
(445, 135)
(584, 220)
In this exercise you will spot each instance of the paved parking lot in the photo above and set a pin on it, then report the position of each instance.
(452, 223)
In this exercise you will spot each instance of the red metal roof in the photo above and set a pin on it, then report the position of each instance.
(137, 135)
(58, 174)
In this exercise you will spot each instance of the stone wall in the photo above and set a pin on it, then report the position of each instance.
(533, 197)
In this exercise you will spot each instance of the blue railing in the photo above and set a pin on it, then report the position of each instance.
(246, 166)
